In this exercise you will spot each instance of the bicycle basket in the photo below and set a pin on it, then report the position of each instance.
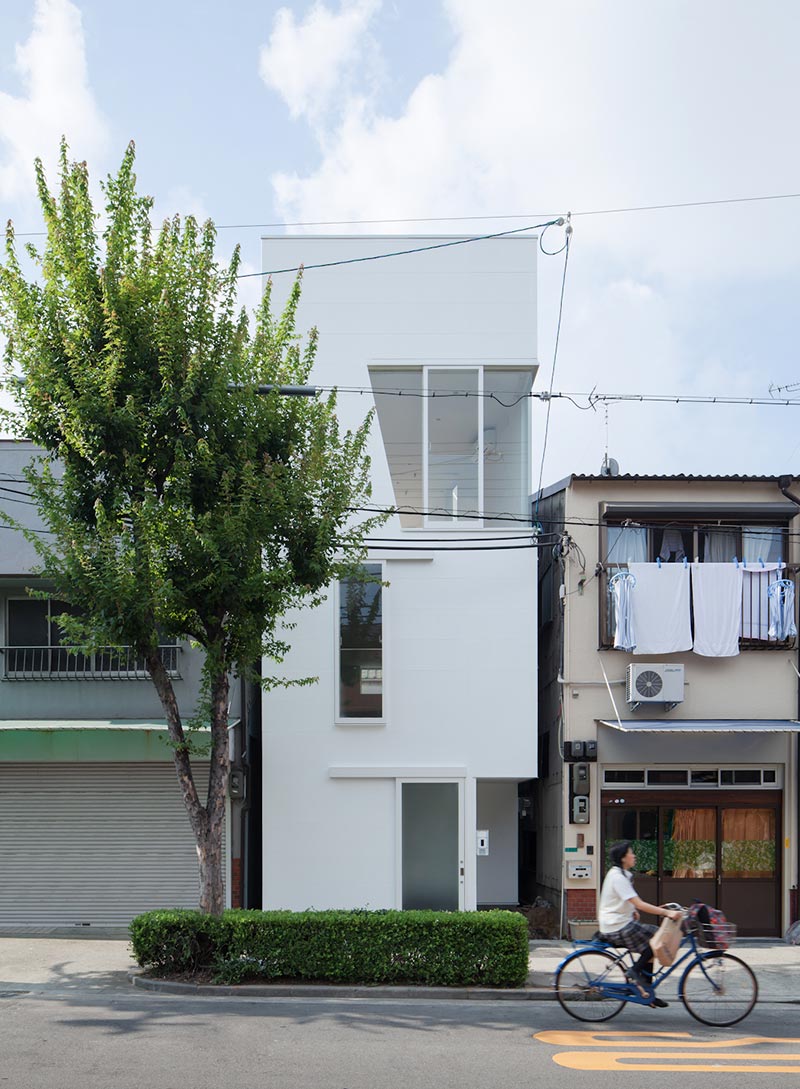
(715, 935)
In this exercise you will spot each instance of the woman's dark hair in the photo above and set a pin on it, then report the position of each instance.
(618, 851)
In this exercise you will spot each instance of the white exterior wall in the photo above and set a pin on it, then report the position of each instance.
(751, 685)
(459, 627)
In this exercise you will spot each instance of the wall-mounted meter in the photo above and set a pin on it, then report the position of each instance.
(576, 871)
(580, 809)
(482, 842)
(580, 778)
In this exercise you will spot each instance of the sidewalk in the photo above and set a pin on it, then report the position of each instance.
(776, 966)
(48, 960)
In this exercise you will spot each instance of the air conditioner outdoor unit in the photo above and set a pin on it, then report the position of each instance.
(654, 683)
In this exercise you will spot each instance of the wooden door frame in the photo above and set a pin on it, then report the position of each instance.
(610, 801)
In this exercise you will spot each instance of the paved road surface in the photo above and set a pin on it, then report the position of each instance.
(110, 1037)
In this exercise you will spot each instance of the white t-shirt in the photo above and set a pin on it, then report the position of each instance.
(616, 909)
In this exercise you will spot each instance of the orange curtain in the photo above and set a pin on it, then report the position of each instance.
(748, 838)
(695, 825)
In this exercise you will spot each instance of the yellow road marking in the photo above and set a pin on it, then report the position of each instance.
(612, 1060)
(577, 1038)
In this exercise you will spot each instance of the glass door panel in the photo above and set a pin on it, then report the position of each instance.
(748, 843)
(689, 855)
(430, 851)
(749, 885)
(640, 826)
(690, 843)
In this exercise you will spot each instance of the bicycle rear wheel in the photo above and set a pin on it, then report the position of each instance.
(718, 989)
(581, 983)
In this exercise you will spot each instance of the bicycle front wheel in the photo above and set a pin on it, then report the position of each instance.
(718, 989)
(583, 982)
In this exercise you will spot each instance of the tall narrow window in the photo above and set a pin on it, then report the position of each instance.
(453, 446)
(361, 645)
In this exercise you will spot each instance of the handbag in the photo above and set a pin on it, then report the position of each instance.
(666, 942)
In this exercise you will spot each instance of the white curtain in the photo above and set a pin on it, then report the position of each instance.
(720, 546)
(762, 543)
(626, 543)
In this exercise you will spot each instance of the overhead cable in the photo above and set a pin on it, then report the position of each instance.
(403, 253)
(555, 358)
(475, 219)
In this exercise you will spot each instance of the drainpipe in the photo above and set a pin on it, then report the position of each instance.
(785, 483)
(251, 830)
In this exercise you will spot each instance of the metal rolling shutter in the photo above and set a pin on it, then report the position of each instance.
(93, 843)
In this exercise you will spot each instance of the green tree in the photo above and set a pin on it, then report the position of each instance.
(178, 501)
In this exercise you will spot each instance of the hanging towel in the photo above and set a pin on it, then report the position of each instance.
(781, 610)
(624, 634)
(755, 602)
(660, 608)
(672, 541)
(717, 598)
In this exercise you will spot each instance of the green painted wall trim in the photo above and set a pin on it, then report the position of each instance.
(89, 746)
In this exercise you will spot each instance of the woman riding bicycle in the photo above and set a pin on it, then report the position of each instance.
(618, 916)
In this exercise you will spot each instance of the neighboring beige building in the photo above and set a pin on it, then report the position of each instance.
(693, 753)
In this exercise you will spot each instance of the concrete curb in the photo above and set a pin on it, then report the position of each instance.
(318, 990)
(418, 994)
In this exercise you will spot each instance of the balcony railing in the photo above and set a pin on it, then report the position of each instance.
(69, 664)
(754, 632)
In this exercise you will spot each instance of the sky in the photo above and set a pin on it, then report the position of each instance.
(267, 113)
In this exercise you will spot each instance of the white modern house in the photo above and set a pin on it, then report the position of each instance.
(394, 781)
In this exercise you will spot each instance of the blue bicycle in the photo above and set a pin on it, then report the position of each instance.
(716, 987)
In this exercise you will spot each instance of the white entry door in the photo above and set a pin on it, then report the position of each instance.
(432, 845)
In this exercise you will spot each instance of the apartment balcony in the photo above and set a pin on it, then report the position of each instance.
(69, 664)
(755, 621)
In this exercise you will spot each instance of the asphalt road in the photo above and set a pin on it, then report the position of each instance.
(114, 1037)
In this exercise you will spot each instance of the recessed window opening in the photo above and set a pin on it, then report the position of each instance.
(361, 645)
(457, 443)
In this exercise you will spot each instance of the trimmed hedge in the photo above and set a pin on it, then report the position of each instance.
(436, 948)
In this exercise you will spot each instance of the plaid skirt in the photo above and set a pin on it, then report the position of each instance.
(634, 936)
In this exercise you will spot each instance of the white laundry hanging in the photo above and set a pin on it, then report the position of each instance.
(757, 579)
(621, 587)
(781, 610)
(717, 603)
(719, 545)
(660, 608)
(626, 543)
(672, 541)
(762, 543)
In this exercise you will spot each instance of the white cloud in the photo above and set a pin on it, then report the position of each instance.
(56, 100)
(307, 62)
(544, 107)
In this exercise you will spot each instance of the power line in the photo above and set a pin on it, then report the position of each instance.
(484, 218)
(555, 358)
(592, 398)
(402, 253)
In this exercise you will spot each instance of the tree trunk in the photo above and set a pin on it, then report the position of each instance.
(207, 821)
(209, 852)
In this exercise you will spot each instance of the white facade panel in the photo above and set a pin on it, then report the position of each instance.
(459, 629)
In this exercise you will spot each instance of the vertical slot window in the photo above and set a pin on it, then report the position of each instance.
(361, 645)
(454, 448)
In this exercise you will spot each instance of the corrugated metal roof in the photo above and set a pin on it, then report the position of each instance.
(677, 476)
(704, 725)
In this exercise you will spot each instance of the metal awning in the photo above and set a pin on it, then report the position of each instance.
(704, 725)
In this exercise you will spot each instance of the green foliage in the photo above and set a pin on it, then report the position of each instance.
(177, 501)
(174, 503)
(488, 948)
